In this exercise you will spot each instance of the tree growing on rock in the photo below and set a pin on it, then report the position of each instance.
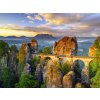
(47, 50)
(4, 47)
(27, 81)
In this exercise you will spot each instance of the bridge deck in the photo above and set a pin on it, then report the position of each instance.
(85, 57)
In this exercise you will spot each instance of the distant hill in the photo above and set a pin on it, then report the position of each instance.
(12, 37)
(44, 37)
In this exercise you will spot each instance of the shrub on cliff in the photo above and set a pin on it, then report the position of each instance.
(8, 78)
(4, 47)
(40, 51)
(33, 63)
(96, 80)
(97, 44)
(65, 68)
(13, 48)
(22, 58)
(46, 50)
(94, 67)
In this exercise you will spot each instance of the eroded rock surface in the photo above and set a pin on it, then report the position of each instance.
(68, 79)
(66, 46)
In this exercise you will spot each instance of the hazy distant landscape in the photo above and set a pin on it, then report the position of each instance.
(83, 42)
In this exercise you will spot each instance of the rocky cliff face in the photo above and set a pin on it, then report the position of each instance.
(24, 55)
(66, 46)
(95, 48)
(68, 79)
(33, 46)
(53, 77)
(92, 51)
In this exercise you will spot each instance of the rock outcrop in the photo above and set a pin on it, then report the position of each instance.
(33, 46)
(53, 77)
(39, 74)
(68, 79)
(94, 48)
(66, 46)
(85, 76)
(25, 54)
(92, 51)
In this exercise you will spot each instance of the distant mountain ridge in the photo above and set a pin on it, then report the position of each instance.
(44, 36)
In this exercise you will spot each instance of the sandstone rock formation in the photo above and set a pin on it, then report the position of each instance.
(33, 45)
(66, 46)
(92, 51)
(53, 77)
(85, 75)
(95, 48)
(25, 54)
(68, 79)
(39, 74)
(3, 62)
(27, 69)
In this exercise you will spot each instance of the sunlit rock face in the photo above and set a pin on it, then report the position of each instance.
(28, 48)
(94, 50)
(66, 46)
(33, 45)
(53, 77)
(23, 54)
(68, 79)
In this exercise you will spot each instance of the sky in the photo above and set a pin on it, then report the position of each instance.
(56, 24)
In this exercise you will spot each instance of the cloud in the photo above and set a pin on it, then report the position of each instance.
(59, 24)
(62, 18)
(30, 17)
(34, 17)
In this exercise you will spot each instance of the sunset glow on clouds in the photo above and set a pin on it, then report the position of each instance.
(57, 24)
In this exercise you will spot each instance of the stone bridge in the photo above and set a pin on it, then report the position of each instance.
(70, 59)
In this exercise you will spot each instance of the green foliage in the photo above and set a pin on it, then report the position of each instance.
(46, 50)
(27, 81)
(4, 47)
(8, 78)
(65, 68)
(97, 42)
(13, 48)
(33, 63)
(21, 68)
(21, 59)
(94, 67)
(77, 71)
(96, 80)
(43, 85)
(40, 51)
